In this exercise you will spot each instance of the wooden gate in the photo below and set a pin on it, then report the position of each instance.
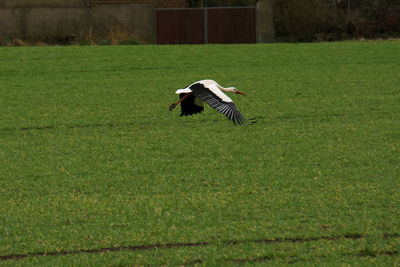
(180, 26)
(205, 25)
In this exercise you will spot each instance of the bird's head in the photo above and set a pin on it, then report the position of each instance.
(235, 90)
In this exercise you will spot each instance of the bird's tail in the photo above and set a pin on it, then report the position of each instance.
(183, 91)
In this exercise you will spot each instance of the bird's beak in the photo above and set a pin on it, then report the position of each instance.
(238, 92)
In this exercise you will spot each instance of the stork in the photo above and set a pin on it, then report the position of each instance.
(209, 91)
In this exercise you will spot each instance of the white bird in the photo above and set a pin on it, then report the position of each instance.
(209, 91)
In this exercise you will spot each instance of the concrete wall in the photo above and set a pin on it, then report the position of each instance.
(137, 19)
(41, 3)
(53, 20)
(58, 20)
(265, 26)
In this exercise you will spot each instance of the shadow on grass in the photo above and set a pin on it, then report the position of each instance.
(206, 243)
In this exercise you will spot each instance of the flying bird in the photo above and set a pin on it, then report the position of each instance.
(209, 91)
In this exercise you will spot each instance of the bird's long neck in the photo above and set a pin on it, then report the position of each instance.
(226, 89)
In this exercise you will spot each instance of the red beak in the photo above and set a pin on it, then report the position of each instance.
(238, 92)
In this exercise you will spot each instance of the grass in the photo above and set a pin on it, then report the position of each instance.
(95, 170)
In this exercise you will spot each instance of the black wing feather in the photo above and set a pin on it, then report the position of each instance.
(229, 109)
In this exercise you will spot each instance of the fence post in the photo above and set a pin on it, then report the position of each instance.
(205, 25)
(264, 23)
(155, 26)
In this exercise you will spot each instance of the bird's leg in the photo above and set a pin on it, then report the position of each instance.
(177, 103)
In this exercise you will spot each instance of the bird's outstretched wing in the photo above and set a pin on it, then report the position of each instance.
(213, 96)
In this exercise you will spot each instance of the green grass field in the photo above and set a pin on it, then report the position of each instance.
(94, 169)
